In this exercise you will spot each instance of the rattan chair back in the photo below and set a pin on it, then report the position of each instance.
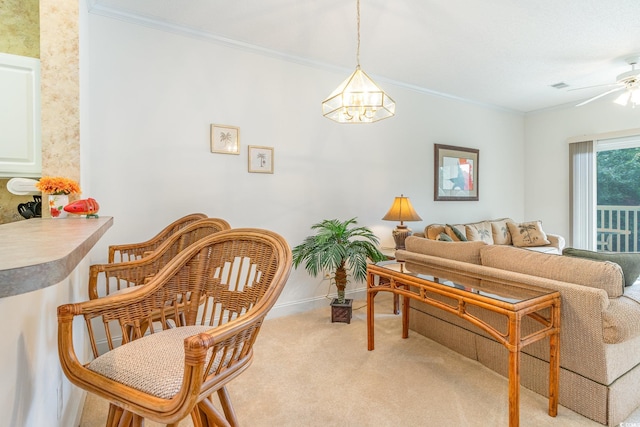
(106, 279)
(132, 251)
(225, 284)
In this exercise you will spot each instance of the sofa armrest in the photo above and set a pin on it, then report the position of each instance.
(556, 241)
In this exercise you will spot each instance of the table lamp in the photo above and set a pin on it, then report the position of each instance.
(401, 210)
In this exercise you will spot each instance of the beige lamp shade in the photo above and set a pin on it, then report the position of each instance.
(402, 210)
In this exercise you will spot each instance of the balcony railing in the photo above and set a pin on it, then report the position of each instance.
(618, 228)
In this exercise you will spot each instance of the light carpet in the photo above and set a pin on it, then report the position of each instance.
(308, 371)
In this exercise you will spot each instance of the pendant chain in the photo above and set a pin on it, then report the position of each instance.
(358, 50)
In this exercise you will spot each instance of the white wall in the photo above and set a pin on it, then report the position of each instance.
(547, 154)
(34, 391)
(153, 95)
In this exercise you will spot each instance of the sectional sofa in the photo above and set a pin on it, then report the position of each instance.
(600, 322)
(503, 231)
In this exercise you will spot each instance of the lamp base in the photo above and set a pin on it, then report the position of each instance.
(400, 233)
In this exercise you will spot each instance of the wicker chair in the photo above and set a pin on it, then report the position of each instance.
(227, 283)
(106, 279)
(131, 251)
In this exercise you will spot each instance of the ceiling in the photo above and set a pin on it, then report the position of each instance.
(501, 53)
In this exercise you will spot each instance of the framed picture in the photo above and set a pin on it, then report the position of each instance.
(455, 173)
(260, 159)
(225, 139)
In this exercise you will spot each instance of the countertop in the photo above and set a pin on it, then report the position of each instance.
(40, 252)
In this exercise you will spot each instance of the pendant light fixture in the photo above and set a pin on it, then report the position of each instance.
(358, 99)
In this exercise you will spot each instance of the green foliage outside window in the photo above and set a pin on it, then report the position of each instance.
(619, 177)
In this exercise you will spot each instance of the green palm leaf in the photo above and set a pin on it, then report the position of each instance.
(340, 248)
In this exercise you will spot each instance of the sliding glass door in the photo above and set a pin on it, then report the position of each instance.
(618, 195)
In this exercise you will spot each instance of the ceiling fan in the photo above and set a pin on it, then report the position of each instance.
(628, 81)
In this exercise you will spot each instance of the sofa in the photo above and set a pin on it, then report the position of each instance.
(600, 321)
(503, 231)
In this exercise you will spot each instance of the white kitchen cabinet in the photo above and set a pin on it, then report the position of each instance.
(20, 138)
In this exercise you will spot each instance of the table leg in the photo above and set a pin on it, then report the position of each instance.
(514, 387)
(370, 317)
(554, 361)
(514, 370)
(405, 316)
(396, 304)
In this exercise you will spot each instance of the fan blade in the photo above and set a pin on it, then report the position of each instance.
(599, 96)
(591, 87)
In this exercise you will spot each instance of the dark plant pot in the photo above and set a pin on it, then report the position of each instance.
(341, 312)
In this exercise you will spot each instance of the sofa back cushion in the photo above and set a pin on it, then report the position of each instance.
(457, 232)
(527, 234)
(580, 271)
(501, 235)
(432, 231)
(629, 262)
(459, 251)
(480, 231)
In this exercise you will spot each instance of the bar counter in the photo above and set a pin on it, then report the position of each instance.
(44, 263)
(41, 252)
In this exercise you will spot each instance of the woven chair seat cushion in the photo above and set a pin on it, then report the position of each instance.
(153, 364)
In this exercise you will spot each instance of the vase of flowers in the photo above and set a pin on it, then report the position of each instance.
(58, 189)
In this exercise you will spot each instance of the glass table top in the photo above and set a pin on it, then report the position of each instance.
(467, 282)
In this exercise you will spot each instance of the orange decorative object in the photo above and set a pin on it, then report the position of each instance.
(88, 207)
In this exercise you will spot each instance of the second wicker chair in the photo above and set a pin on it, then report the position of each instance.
(105, 279)
(131, 251)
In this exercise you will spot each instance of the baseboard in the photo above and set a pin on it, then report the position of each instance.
(301, 306)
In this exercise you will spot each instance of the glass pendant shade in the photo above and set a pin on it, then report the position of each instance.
(358, 100)
(632, 95)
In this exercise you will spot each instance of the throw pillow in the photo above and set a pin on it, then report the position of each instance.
(432, 231)
(456, 233)
(501, 235)
(480, 231)
(629, 262)
(527, 234)
(444, 237)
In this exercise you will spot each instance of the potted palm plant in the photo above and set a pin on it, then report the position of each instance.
(338, 248)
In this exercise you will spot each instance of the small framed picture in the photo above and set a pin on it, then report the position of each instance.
(225, 139)
(455, 173)
(260, 159)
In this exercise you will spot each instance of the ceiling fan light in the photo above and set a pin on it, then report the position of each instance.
(623, 99)
(635, 97)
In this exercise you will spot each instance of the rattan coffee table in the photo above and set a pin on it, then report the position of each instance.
(456, 293)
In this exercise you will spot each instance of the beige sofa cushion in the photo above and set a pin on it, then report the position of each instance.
(595, 274)
(457, 232)
(432, 231)
(527, 234)
(480, 231)
(500, 231)
(459, 251)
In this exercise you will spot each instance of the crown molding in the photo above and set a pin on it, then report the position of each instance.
(136, 19)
